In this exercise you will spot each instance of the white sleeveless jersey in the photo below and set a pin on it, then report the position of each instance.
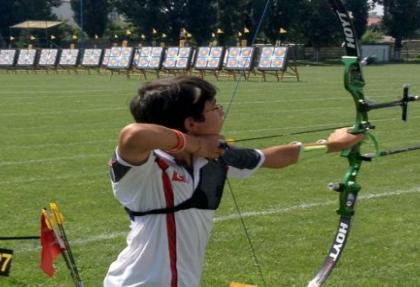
(163, 250)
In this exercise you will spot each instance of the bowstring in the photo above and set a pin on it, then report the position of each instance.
(239, 80)
(227, 110)
(248, 237)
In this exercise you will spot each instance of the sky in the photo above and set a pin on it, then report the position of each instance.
(379, 9)
(64, 11)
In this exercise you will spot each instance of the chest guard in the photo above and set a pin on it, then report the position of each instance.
(209, 191)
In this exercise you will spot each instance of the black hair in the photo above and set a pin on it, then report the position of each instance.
(168, 102)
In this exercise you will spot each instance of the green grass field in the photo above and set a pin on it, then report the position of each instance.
(59, 130)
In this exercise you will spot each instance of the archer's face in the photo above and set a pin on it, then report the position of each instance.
(213, 120)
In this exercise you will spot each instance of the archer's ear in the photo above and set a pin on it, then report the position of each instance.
(189, 124)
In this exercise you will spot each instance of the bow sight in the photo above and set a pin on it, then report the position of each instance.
(403, 103)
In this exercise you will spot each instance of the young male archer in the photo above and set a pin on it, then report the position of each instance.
(169, 170)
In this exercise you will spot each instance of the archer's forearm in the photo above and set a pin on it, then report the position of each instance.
(137, 140)
(281, 156)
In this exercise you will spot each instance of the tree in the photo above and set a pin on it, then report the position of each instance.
(319, 25)
(164, 16)
(174, 15)
(15, 11)
(287, 15)
(401, 20)
(95, 16)
(360, 12)
(201, 16)
(372, 36)
(231, 18)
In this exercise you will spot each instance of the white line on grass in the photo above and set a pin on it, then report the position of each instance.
(296, 100)
(55, 93)
(105, 93)
(294, 128)
(32, 161)
(25, 179)
(368, 196)
(237, 103)
(39, 114)
(271, 211)
(51, 145)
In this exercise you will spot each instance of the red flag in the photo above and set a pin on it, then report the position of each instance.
(49, 246)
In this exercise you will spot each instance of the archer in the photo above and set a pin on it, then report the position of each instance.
(169, 170)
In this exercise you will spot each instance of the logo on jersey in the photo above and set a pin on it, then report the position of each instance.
(178, 177)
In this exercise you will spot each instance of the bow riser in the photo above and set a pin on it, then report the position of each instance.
(350, 187)
(354, 84)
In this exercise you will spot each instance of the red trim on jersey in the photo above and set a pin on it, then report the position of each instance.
(170, 222)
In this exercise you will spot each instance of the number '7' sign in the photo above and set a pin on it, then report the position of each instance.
(5, 261)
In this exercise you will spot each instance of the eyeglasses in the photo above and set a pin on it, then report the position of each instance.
(215, 108)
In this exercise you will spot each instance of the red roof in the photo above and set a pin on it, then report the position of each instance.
(373, 20)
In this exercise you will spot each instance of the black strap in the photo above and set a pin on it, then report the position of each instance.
(210, 188)
(185, 205)
(19, 237)
(163, 165)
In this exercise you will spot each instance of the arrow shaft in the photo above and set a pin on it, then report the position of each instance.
(289, 134)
